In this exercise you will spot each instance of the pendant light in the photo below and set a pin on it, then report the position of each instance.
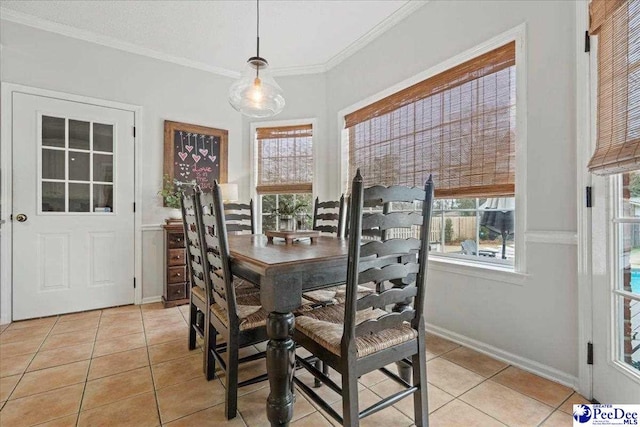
(256, 93)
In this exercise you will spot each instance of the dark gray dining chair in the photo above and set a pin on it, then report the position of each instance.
(360, 336)
(239, 218)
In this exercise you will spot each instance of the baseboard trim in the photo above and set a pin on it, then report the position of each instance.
(529, 365)
(149, 300)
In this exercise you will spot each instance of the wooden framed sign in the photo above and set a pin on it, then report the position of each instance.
(193, 152)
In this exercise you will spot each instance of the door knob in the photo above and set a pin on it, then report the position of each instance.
(21, 217)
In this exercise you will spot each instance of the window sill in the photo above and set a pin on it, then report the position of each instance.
(496, 273)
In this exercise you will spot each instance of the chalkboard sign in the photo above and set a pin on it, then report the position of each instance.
(195, 153)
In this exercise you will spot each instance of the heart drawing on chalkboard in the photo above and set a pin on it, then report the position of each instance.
(204, 152)
(196, 158)
(182, 155)
(189, 148)
(213, 158)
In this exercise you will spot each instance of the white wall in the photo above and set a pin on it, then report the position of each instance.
(537, 318)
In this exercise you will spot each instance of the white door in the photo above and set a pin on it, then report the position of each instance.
(73, 219)
(616, 289)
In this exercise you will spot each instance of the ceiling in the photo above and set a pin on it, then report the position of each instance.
(296, 37)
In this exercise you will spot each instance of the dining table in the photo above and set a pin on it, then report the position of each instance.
(283, 272)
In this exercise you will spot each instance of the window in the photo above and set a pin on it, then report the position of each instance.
(285, 176)
(459, 126)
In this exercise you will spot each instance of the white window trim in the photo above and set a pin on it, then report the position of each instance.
(517, 34)
(253, 178)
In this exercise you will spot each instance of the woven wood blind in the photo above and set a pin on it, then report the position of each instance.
(285, 159)
(458, 125)
(617, 24)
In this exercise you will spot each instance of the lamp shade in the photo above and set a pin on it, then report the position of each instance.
(229, 192)
(256, 93)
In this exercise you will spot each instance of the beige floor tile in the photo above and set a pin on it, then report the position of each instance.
(313, 420)
(147, 314)
(42, 407)
(506, 405)
(119, 330)
(34, 323)
(457, 413)
(118, 362)
(169, 351)
(17, 348)
(80, 316)
(549, 392)
(247, 371)
(178, 370)
(451, 378)
(84, 325)
(136, 411)
(14, 365)
(116, 345)
(153, 306)
(574, 399)
(558, 419)
(212, 417)
(24, 334)
(61, 356)
(121, 319)
(170, 332)
(183, 399)
(324, 392)
(160, 322)
(438, 345)
(388, 417)
(116, 387)
(436, 397)
(475, 361)
(7, 384)
(121, 310)
(51, 378)
(68, 339)
(252, 407)
(4, 327)
(372, 378)
(68, 421)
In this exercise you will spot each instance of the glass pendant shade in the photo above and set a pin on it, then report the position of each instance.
(256, 93)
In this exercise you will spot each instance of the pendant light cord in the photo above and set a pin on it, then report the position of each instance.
(258, 28)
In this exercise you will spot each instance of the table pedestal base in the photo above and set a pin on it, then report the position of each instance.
(280, 368)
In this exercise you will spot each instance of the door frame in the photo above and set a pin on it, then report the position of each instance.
(6, 194)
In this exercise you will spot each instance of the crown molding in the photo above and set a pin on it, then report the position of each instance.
(66, 30)
(90, 36)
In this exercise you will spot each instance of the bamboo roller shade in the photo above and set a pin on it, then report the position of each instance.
(285, 159)
(458, 125)
(617, 24)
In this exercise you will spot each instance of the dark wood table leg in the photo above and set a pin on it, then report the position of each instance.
(280, 368)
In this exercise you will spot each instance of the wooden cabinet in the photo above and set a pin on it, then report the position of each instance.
(176, 277)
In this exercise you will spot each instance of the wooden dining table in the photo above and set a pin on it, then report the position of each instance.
(284, 272)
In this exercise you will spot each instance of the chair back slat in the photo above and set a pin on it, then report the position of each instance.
(395, 262)
(330, 216)
(192, 242)
(215, 252)
(238, 217)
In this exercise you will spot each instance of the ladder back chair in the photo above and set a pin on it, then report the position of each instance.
(239, 218)
(239, 318)
(330, 216)
(198, 299)
(360, 336)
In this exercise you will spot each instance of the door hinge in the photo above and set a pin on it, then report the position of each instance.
(134, 131)
(588, 197)
(589, 353)
(587, 42)
(134, 206)
(134, 283)
(11, 217)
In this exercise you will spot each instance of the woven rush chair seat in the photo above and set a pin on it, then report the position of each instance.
(249, 310)
(242, 288)
(325, 326)
(334, 294)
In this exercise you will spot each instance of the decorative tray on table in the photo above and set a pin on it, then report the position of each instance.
(291, 236)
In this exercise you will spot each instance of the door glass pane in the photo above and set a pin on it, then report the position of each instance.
(102, 137)
(78, 166)
(52, 164)
(103, 167)
(630, 342)
(52, 131)
(79, 197)
(102, 198)
(53, 196)
(79, 134)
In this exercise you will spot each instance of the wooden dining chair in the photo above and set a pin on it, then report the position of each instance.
(239, 218)
(238, 318)
(360, 336)
(330, 216)
(198, 300)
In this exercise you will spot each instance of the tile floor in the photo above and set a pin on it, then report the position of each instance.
(130, 366)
